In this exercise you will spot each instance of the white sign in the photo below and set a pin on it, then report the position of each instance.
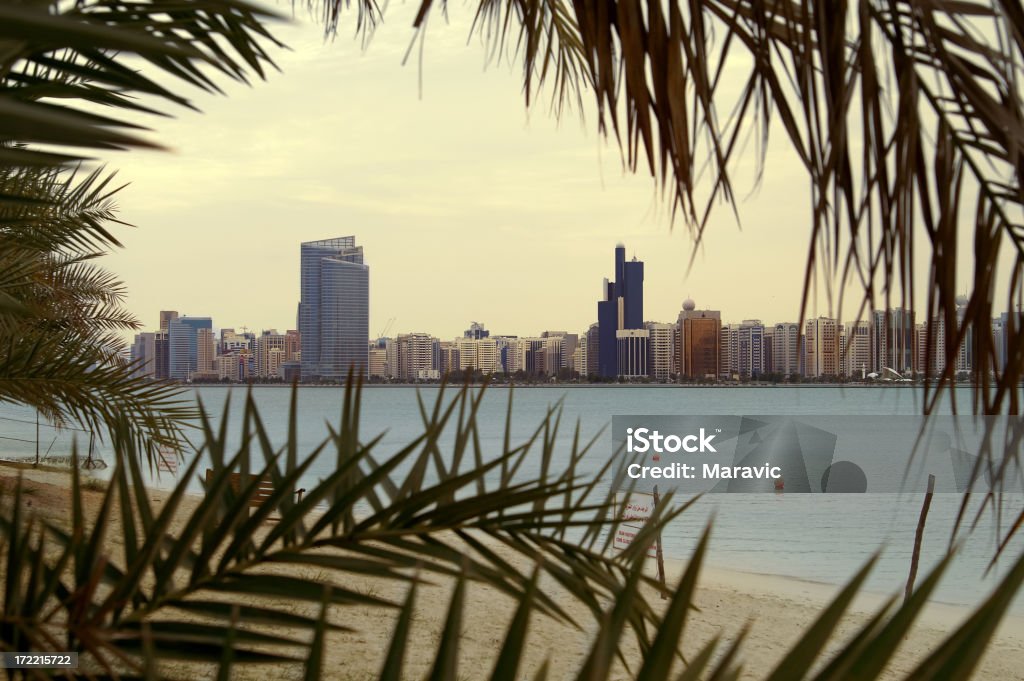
(167, 460)
(633, 512)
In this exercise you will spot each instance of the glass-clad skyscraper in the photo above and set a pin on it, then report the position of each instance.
(183, 345)
(334, 308)
(621, 309)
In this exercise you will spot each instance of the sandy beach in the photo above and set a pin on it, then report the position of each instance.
(777, 609)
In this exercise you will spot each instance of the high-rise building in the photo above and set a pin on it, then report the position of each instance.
(227, 366)
(183, 346)
(414, 353)
(275, 362)
(579, 357)
(621, 309)
(633, 347)
(266, 343)
(479, 355)
(205, 351)
(165, 319)
(662, 350)
(821, 347)
(748, 348)
(699, 342)
(334, 312)
(143, 355)
(893, 340)
(856, 350)
(1005, 338)
(476, 331)
(162, 355)
(593, 350)
(725, 352)
(449, 353)
(965, 353)
(292, 345)
(786, 349)
(503, 343)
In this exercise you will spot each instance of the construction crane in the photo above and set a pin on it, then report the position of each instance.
(387, 327)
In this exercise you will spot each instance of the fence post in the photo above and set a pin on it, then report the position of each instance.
(658, 553)
(919, 536)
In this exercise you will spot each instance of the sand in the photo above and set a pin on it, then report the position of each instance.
(777, 610)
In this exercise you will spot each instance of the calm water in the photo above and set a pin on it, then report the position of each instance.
(815, 537)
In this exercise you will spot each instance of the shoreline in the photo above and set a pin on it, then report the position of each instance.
(718, 573)
(937, 613)
(841, 386)
(713, 574)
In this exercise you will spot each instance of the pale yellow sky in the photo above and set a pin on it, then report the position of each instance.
(468, 206)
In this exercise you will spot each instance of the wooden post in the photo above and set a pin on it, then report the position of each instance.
(37, 438)
(919, 536)
(660, 556)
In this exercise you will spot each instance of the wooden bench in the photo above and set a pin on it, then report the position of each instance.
(264, 487)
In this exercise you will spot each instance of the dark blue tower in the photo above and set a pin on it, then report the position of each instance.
(622, 308)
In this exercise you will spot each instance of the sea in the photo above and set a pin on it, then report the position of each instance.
(822, 538)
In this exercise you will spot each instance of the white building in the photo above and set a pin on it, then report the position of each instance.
(662, 352)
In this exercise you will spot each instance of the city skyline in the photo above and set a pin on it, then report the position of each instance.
(458, 193)
(332, 339)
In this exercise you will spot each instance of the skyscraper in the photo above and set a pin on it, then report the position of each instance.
(821, 347)
(621, 309)
(699, 342)
(144, 355)
(334, 311)
(662, 350)
(183, 346)
(786, 349)
(892, 340)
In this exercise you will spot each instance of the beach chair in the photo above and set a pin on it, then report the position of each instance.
(264, 488)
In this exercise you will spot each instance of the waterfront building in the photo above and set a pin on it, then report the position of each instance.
(334, 309)
(725, 351)
(698, 344)
(661, 351)
(476, 331)
(206, 351)
(231, 341)
(183, 345)
(856, 349)
(377, 361)
(633, 347)
(503, 343)
(143, 355)
(165, 319)
(290, 370)
(479, 355)
(621, 308)
(227, 366)
(579, 357)
(746, 343)
(414, 353)
(292, 345)
(161, 355)
(1004, 339)
(821, 347)
(769, 349)
(266, 343)
(449, 353)
(965, 353)
(893, 340)
(275, 359)
(593, 350)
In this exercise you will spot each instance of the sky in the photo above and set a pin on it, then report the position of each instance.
(469, 207)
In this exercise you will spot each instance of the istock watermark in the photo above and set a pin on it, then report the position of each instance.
(819, 454)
